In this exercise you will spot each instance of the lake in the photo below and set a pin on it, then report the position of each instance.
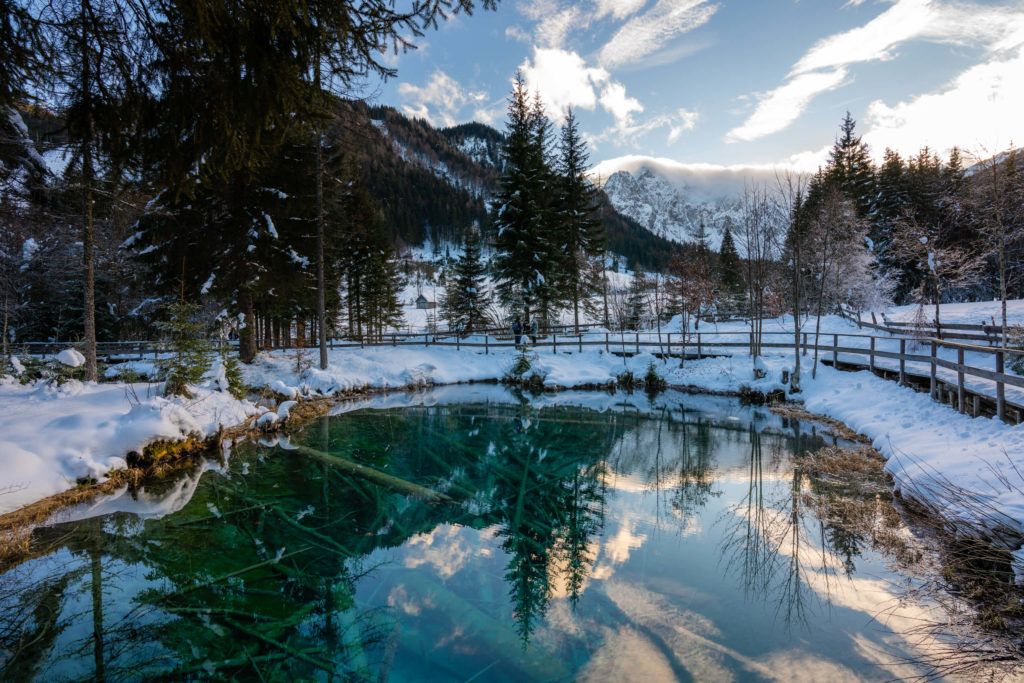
(473, 533)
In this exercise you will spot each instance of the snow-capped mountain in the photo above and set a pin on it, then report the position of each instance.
(671, 199)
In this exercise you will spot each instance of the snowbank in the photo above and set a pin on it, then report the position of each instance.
(51, 436)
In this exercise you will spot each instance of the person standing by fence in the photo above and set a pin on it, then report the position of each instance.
(517, 330)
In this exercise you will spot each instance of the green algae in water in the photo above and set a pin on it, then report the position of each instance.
(655, 542)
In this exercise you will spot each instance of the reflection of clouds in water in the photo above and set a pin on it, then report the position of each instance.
(799, 665)
(617, 548)
(559, 573)
(398, 598)
(821, 571)
(626, 655)
(688, 636)
(447, 548)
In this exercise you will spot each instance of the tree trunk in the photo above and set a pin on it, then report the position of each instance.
(321, 287)
(247, 331)
(795, 381)
(88, 178)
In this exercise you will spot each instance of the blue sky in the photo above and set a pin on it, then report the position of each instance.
(728, 83)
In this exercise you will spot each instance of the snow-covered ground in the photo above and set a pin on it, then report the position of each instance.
(50, 436)
(976, 313)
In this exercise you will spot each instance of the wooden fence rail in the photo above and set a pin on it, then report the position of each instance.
(692, 345)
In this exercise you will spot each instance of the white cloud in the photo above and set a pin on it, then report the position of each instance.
(645, 34)
(626, 129)
(778, 108)
(440, 101)
(553, 21)
(563, 80)
(687, 121)
(616, 102)
(980, 108)
(961, 24)
(870, 42)
(619, 9)
(825, 65)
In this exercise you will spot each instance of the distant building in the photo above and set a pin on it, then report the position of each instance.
(424, 302)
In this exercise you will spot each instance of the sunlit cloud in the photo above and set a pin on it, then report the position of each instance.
(440, 101)
(778, 108)
(647, 33)
(563, 80)
(980, 108)
(621, 106)
(968, 25)
(687, 122)
(826, 64)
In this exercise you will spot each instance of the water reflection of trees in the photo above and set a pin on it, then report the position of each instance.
(796, 531)
(257, 573)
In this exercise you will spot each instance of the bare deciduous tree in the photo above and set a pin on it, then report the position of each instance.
(944, 267)
(761, 231)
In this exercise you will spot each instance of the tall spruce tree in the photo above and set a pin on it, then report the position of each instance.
(579, 225)
(92, 71)
(851, 169)
(235, 79)
(466, 295)
(730, 268)
(525, 252)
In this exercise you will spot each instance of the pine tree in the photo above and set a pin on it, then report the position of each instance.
(851, 170)
(580, 227)
(636, 302)
(190, 352)
(730, 268)
(466, 295)
(93, 69)
(523, 263)
(250, 68)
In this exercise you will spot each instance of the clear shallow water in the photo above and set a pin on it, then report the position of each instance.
(585, 536)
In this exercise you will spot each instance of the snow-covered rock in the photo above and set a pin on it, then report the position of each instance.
(71, 357)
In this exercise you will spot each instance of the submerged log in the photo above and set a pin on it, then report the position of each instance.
(376, 476)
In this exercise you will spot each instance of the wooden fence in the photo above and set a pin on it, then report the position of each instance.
(990, 334)
(704, 344)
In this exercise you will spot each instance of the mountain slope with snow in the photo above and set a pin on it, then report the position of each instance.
(672, 199)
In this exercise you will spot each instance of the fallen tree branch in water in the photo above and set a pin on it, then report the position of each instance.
(376, 476)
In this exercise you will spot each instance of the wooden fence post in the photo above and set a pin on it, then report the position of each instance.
(903, 361)
(581, 342)
(871, 361)
(607, 349)
(805, 343)
(487, 338)
(932, 385)
(638, 343)
(554, 342)
(699, 349)
(835, 350)
(1000, 388)
(960, 380)
(670, 343)
(458, 341)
